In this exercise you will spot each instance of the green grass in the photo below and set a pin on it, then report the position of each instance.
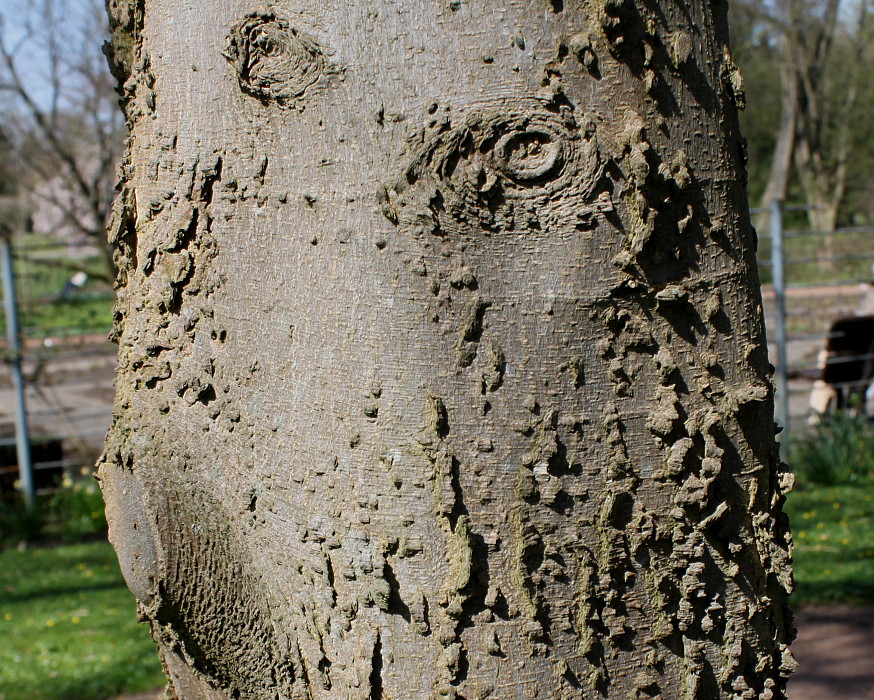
(40, 274)
(85, 314)
(798, 249)
(832, 510)
(68, 627)
(833, 529)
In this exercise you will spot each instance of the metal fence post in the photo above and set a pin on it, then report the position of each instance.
(779, 284)
(22, 439)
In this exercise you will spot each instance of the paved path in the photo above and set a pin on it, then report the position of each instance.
(70, 399)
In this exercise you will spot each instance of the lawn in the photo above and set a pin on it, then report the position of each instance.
(832, 510)
(833, 528)
(41, 273)
(68, 627)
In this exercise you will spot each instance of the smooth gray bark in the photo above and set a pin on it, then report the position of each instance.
(442, 364)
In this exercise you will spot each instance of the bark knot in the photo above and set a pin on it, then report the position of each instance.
(503, 170)
(526, 153)
(273, 60)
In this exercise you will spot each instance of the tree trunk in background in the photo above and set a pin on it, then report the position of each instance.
(781, 164)
(442, 364)
(823, 188)
(823, 142)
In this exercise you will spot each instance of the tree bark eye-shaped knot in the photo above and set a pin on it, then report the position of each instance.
(273, 60)
(529, 156)
(525, 153)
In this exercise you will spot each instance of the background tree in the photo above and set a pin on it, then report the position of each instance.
(60, 114)
(828, 56)
(815, 55)
(442, 365)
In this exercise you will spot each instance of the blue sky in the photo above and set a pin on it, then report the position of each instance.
(24, 29)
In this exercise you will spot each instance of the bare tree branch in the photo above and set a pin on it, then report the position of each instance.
(61, 111)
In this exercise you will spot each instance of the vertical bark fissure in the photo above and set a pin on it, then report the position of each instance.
(376, 692)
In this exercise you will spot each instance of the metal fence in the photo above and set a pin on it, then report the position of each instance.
(819, 314)
(56, 378)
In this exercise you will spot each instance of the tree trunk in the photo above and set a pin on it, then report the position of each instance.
(824, 186)
(781, 164)
(442, 364)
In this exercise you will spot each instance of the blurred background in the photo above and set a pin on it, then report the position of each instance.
(67, 623)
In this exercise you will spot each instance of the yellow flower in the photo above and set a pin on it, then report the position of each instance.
(837, 505)
(7, 616)
(74, 620)
(50, 622)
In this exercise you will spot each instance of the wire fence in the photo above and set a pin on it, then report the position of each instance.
(56, 381)
(819, 314)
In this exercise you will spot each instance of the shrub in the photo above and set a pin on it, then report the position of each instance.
(17, 524)
(76, 509)
(838, 450)
(70, 512)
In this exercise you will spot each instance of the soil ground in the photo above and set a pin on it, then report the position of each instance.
(835, 653)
